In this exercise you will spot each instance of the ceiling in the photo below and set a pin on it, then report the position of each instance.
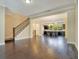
(37, 6)
(59, 18)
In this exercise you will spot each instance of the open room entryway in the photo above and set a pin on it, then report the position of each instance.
(51, 26)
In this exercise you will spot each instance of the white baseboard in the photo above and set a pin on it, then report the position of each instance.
(73, 43)
(22, 38)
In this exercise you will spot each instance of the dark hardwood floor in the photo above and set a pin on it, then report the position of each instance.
(40, 48)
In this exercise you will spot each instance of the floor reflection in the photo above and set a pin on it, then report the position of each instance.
(39, 48)
(54, 42)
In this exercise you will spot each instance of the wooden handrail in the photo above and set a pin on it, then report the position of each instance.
(21, 23)
(20, 27)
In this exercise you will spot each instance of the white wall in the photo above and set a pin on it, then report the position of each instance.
(71, 26)
(25, 34)
(76, 27)
(2, 25)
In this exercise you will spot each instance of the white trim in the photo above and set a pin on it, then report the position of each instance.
(74, 44)
(71, 42)
(22, 38)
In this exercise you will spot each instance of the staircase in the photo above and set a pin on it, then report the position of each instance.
(19, 28)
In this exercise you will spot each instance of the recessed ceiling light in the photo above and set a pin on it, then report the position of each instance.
(28, 1)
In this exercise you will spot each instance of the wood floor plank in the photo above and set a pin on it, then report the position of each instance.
(41, 48)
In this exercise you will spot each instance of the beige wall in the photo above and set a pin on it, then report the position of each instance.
(12, 20)
(8, 27)
(18, 19)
